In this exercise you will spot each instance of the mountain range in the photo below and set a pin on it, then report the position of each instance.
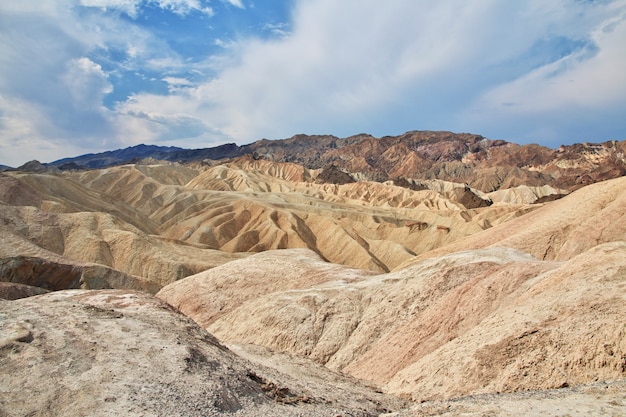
(482, 163)
(424, 274)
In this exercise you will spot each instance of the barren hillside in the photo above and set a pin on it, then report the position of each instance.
(319, 272)
(466, 322)
(163, 222)
(112, 352)
(560, 230)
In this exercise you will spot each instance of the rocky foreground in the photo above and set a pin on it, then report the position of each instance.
(250, 288)
(112, 353)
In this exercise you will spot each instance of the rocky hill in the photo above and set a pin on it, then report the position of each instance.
(125, 353)
(484, 164)
(426, 274)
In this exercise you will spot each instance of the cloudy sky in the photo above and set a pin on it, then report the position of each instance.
(81, 76)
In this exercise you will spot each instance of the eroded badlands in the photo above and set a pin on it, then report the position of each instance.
(278, 294)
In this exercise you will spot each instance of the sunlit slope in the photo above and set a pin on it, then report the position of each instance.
(560, 229)
(253, 206)
(64, 225)
(488, 319)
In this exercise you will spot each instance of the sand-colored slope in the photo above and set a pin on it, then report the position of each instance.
(255, 205)
(354, 219)
(525, 194)
(561, 328)
(71, 241)
(479, 299)
(59, 194)
(598, 399)
(480, 320)
(23, 261)
(247, 174)
(104, 216)
(298, 318)
(342, 233)
(144, 187)
(471, 322)
(259, 176)
(560, 229)
(214, 293)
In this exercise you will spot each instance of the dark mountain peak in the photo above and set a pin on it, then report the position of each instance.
(139, 152)
(116, 157)
(35, 166)
(295, 142)
(333, 175)
(228, 150)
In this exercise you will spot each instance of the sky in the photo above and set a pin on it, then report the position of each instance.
(85, 76)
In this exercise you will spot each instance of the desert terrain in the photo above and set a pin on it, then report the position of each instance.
(425, 274)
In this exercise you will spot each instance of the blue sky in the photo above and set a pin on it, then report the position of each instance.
(81, 76)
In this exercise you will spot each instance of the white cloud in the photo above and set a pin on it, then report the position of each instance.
(175, 84)
(28, 132)
(86, 82)
(129, 7)
(183, 7)
(574, 79)
(45, 7)
(236, 3)
(229, 43)
(177, 81)
(52, 92)
(132, 7)
(280, 30)
(343, 61)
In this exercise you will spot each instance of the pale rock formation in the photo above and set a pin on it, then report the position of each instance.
(560, 229)
(71, 250)
(494, 318)
(112, 353)
(466, 323)
(524, 194)
(254, 205)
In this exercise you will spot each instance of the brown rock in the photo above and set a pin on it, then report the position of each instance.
(13, 291)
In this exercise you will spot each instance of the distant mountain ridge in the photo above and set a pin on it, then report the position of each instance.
(103, 159)
(482, 163)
